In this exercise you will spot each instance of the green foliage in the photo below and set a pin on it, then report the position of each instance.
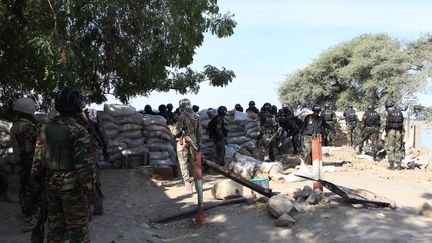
(126, 48)
(366, 69)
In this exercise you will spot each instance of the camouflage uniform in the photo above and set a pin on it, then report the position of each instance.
(24, 133)
(394, 137)
(313, 127)
(219, 139)
(330, 117)
(65, 167)
(269, 125)
(352, 121)
(370, 130)
(188, 123)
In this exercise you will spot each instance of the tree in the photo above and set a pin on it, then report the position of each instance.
(126, 48)
(367, 69)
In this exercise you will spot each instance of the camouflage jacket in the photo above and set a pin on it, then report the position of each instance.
(190, 123)
(82, 174)
(24, 134)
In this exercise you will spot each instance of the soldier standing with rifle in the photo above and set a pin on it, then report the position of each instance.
(24, 134)
(218, 132)
(395, 134)
(330, 117)
(370, 126)
(269, 132)
(352, 121)
(63, 164)
(189, 133)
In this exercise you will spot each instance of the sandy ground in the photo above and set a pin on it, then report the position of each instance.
(133, 200)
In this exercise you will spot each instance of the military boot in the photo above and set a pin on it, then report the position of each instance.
(391, 166)
(399, 167)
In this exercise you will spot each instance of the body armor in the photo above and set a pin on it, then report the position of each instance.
(57, 152)
(372, 118)
(395, 120)
(327, 115)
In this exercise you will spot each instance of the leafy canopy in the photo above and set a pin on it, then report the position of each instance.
(126, 48)
(367, 69)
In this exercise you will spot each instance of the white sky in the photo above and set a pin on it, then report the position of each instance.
(276, 37)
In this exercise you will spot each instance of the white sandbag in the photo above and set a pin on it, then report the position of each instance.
(5, 126)
(251, 144)
(253, 135)
(158, 134)
(153, 120)
(162, 128)
(141, 150)
(238, 140)
(119, 110)
(159, 155)
(240, 116)
(270, 168)
(245, 169)
(129, 134)
(109, 125)
(243, 158)
(166, 162)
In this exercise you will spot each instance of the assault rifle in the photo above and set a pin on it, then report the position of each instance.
(273, 137)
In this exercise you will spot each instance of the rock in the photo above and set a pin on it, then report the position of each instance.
(284, 221)
(297, 208)
(301, 195)
(425, 209)
(227, 188)
(262, 200)
(278, 205)
(313, 198)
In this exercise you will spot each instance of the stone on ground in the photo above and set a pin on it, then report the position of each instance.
(278, 205)
(226, 189)
(284, 221)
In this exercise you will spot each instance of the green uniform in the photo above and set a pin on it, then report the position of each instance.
(394, 137)
(352, 122)
(63, 161)
(330, 117)
(269, 126)
(188, 123)
(24, 133)
(314, 126)
(371, 124)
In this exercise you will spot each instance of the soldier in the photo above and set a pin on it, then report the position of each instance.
(148, 110)
(370, 126)
(163, 111)
(292, 125)
(189, 133)
(252, 107)
(269, 132)
(330, 117)
(24, 134)
(238, 107)
(313, 127)
(64, 166)
(218, 132)
(170, 115)
(352, 121)
(395, 133)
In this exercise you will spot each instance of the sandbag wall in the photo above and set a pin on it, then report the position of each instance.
(128, 133)
(7, 160)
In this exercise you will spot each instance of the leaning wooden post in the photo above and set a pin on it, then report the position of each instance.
(317, 160)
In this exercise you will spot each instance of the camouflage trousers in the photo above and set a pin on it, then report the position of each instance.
(371, 133)
(26, 196)
(187, 159)
(220, 151)
(307, 153)
(330, 135)
(67, 216)
(393, 145)
(296, 143)
(268, 153)
(351, 134)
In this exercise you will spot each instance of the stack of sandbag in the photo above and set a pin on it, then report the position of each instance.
(122, 129)
(7, 160)
(158, 139)
(242, 131)
(207, 146)
(245, 166)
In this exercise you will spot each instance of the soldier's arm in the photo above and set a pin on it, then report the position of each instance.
(83, 161)
(36, 169)
(219, 128)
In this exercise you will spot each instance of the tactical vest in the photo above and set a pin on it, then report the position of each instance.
(270, 124)
(57, 151)
(351, 116)
(313, 125)
(327, 115)
(395, 120)
(372, 118)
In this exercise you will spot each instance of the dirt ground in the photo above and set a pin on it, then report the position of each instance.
(133, 200)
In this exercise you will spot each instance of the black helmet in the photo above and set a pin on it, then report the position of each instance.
(251, 103)
(389, 103)
(170, 106)
(195, 108)
(316, 107)
(162, 108)
(222, 110)
(370, 107)
(68, 100)
(148, 109)
(267, 106)
(238, 107)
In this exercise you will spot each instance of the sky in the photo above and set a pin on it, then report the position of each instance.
(274, 38)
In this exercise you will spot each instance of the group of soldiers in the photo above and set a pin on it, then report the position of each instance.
(58, 176)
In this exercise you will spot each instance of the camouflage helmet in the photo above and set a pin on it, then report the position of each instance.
(185, 105)
(25, 105)
(251, 103)
(222, 110)
(68, 100)
(389, 103)
(316, 108)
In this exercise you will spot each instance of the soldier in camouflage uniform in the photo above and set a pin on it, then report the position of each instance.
(269, 132)
(64, 165)
(370, 126)
(330, 117)
(24, 134)
(218, 132)
(352, 122)
(188, 125)
(395, 133)
(313, 127)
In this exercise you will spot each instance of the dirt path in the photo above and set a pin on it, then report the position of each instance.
(133, 200)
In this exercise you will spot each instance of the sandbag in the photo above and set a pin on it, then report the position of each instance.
(158, 134)
(161, 147)
(167, 162)
(235, 128)
(148, 120)
(141, 150)
(109, 134)
(251, 125)
(152, 128)
(132, 143)
(117, 148)
(155, 140)
(159, 155)
(109, 125)
(270, 169)
(242, 158)
(5, 126)
(238, 140)
(245, 169)
(119, 110)
(129, 134)
(240, 116)
(129, 127)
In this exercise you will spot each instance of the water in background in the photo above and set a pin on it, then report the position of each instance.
(426, 137)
